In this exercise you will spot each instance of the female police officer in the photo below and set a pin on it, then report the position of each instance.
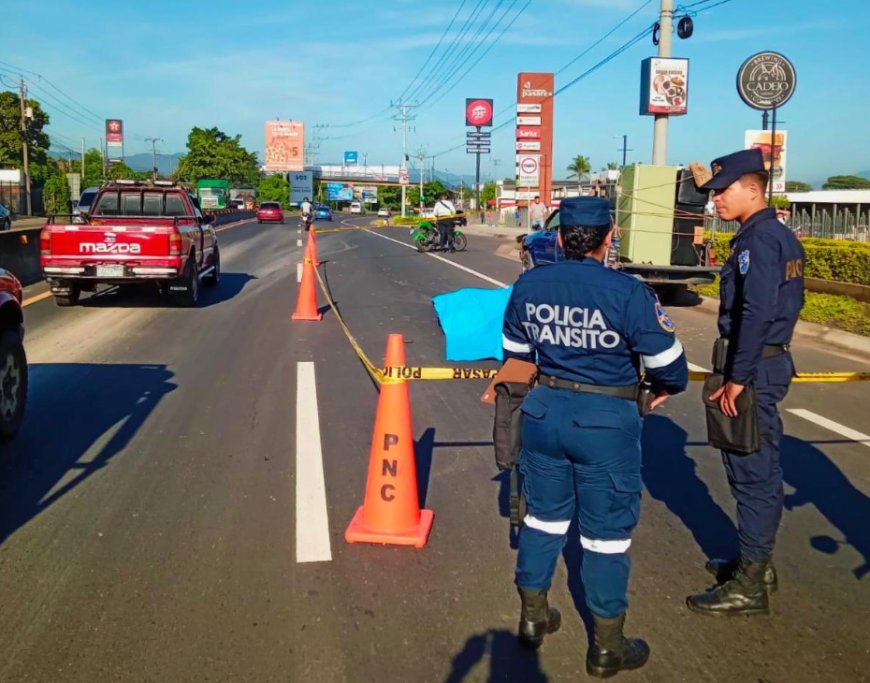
(589, 328)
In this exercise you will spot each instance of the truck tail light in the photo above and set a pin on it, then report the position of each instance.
(175, 244)
(45, 242)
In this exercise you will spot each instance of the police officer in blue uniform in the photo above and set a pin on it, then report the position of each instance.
(762, 292)
(592, 331)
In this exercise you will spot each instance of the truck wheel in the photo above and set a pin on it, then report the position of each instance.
(460, 242)
(70, 299)
(13, 382)
(190, 296)
(214, 278)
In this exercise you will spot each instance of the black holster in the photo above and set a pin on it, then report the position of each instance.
(741, 434)
(507, 439)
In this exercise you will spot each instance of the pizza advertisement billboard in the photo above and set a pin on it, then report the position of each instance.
(478, 112)
(534, 132)
(285, 146)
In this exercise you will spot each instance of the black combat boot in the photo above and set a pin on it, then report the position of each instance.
(537, 618)
(724, 570)
(744, 594)
(611, 651)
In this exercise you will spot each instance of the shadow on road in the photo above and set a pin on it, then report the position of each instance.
(508, 661)
(819, 482)
(670, 476)
(79, 416)
(146, 295)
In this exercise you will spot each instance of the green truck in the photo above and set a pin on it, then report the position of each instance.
(213, 194)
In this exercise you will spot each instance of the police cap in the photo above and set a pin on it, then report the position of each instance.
(587, 211)
(732, 167)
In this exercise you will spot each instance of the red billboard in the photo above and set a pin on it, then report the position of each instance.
(478, 112)
(534, 164)
(285, 146)
(114, 132)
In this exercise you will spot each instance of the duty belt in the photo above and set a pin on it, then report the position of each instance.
(628, 393)
(774, 350)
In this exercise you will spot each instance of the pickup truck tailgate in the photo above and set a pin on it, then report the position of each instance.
(108, 243)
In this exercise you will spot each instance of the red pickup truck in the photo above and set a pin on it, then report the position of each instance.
(135, 232)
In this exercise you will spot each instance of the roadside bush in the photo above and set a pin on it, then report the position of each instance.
(838, 260)
(55, 194)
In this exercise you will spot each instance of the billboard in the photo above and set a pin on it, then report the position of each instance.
(774, 152)
(478, 112)
(534, 133)
(285, 146)
(114, 133)
(301, 186)
(339, 192)
(351, 158)
(664, 86)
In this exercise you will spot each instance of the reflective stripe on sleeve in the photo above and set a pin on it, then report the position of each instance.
(605, 547)
(664, 358)
(555, 528)
(515, 347)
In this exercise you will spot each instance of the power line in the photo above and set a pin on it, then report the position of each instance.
(53, 86)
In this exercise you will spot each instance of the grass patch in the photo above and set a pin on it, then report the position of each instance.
(840, 312)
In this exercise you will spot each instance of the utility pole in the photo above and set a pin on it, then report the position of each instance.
(495, 164)
(82, 178)
(660, 132)
(625, 150)
(404, 116)
(102, 159)
(421, 155)
(365, 164)
(153, 142)
(25, 156)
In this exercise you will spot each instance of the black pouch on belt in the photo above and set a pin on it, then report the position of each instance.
(507, 438)
(734, 434)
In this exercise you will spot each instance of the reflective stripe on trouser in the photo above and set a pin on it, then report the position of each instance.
(756, 479)
(581, 455)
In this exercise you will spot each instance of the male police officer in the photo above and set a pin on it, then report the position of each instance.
(762, 292)
(588, 328)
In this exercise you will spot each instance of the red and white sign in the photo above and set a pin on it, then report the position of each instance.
(478, 112)
(529, 108)
(528, 146)
(285, 146)
(528, 133)
(114, 132)
(528, 120)
(528, 170)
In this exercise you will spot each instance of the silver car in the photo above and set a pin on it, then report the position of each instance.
(83, 205)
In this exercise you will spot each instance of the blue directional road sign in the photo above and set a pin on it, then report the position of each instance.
(351, 158)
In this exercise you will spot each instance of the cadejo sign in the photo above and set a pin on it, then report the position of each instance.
(766, 80)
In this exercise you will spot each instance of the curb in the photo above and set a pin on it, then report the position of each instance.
(845, 341)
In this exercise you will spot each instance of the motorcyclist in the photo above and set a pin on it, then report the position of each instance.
(307, 209)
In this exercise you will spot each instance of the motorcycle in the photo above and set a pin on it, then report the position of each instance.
(305, 222)
(427, 238)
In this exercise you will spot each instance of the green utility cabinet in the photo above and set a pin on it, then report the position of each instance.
(645, 213)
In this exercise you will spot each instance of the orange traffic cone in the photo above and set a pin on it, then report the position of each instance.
(391, 512)
(311, 248)
(306, 302)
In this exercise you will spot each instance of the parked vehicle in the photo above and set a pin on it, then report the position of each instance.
(322, 212)
(384, 212)
(5, 218)
(85, 201)
(270, 212)
(13, 361)
(357, 207)
(136, 232)
(426, 237)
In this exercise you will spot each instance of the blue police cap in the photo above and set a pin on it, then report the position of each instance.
(732, 167)
(584, 211)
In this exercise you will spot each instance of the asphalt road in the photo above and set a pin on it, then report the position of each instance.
(149, 515)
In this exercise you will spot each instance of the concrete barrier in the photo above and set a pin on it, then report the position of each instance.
(19, 249)
(860, 292)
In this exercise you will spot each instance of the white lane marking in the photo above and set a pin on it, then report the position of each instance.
(299, 231)
(486, 278)
(697, 368)
(299, 242)
(842, 430)
(312, 523)
(298, 272)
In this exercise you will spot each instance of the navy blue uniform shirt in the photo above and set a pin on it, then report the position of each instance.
(761, 292)
(586, 323)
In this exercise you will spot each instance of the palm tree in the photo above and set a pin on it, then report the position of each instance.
(612, 166)
(579, 167)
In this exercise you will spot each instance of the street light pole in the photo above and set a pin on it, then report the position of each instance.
(153, 142)
(404, 117)
(660, 131)
(25, 152)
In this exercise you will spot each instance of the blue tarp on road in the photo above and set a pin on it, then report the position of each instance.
(471, 320)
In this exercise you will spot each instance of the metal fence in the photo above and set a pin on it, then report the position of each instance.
(850, 225)
(13, 197)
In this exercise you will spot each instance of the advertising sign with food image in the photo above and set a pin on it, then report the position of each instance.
(664, 86)
(774, 152)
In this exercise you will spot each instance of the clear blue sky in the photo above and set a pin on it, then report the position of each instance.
(165, 67)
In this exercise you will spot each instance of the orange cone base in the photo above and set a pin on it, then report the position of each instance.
(300, 316)
(417, 537)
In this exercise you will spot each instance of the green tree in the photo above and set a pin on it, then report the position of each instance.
(846, 182)
(612, 166)
(797, 186)
(274, 188)
(119, 170)
(487, 193)
(211, 153)
(10, 136)
(779, 201)
(579, 167)
(55, 193)
(390, 196)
